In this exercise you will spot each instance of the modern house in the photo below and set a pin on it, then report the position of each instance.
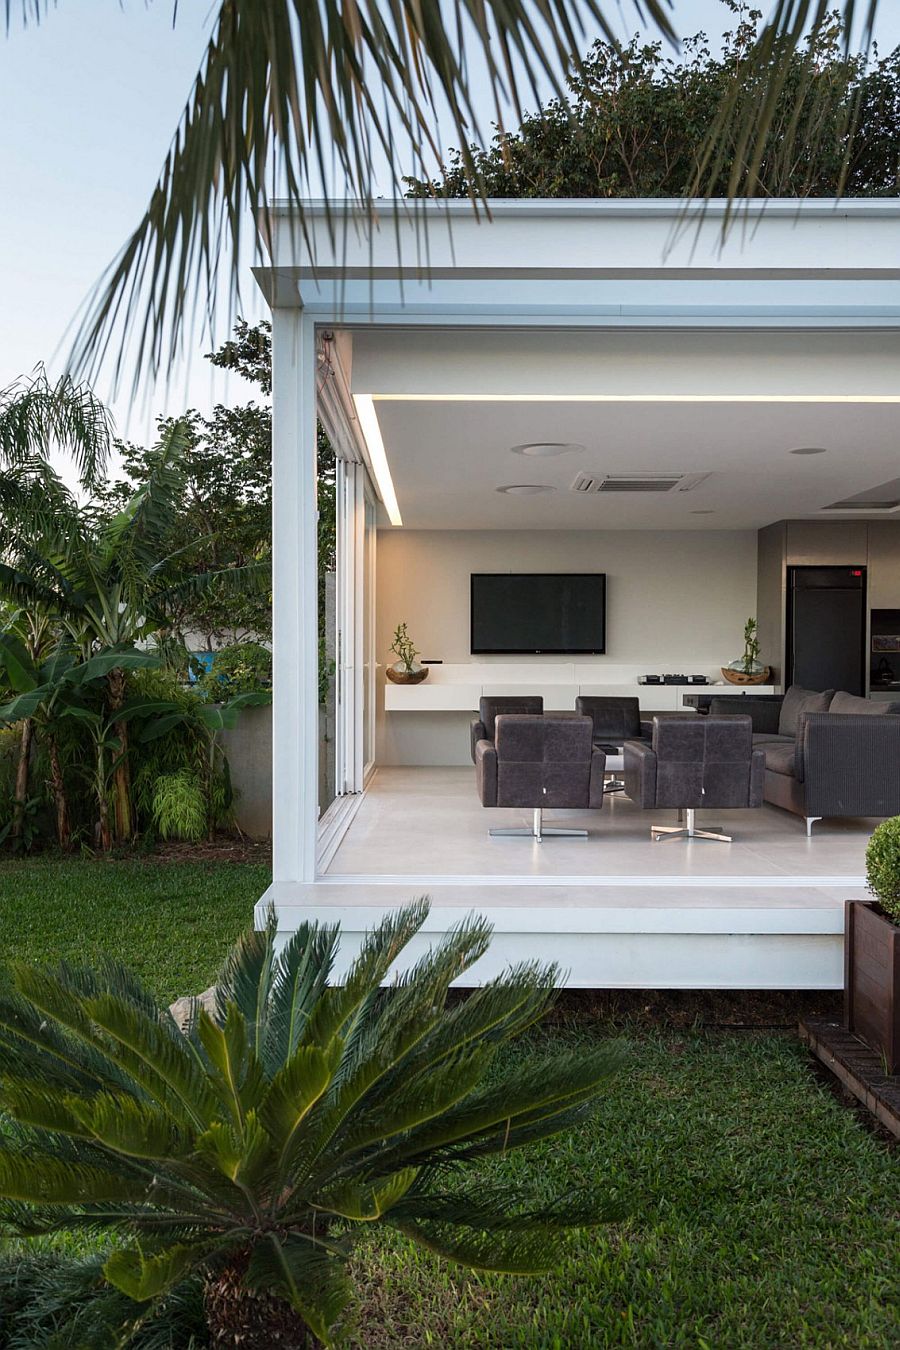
(579, 443)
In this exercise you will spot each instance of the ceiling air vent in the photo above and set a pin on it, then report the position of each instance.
(884, 497)
(636, 482)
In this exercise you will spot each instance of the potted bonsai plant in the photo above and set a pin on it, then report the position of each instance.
(872, 950)
(747, 668)
(406, 669)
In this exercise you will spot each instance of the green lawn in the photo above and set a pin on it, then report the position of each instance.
(173, 923)
(763, 1213)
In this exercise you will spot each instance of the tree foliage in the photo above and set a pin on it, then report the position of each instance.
(252, 1146)
(91, 585)
(225, 515)
(640, 122)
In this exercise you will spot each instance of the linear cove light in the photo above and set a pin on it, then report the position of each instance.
(368, 421)
(632, 398)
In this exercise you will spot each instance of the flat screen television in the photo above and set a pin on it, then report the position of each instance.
(552, 613)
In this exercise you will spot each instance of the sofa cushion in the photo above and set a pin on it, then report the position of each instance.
(852, 703)
(763, 738)
(798, 700)
(779, 756)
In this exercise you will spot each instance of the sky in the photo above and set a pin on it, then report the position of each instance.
(89, 100)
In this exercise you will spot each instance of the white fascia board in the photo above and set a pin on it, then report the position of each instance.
(592, 238)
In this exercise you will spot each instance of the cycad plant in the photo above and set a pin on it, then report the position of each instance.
(249, 1148)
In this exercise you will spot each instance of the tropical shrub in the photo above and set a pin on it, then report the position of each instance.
(181, 751)
(239, 669)
(248, 1148)
(179, 806)
(883, 866)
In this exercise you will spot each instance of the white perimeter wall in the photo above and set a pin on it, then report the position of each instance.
(676, 600)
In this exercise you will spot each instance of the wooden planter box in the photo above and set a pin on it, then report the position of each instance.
(872, 979)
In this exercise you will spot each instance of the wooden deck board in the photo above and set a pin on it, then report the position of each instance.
(860, 1069)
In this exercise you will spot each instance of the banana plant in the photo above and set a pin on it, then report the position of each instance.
(247, 1149)
(110, 582)
(58, 688)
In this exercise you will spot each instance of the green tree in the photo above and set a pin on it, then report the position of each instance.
(222, 521)
(249, 353)
(250, 1148)
(639, 122)
(109, 581)
(38, 418)
(224, 518)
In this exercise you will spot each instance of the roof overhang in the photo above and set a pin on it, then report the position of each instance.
(658, 335)
(616, 263)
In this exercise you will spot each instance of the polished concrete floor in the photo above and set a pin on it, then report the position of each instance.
(427, 823)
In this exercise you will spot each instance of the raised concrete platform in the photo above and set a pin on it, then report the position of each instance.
(607, 937)
(614, 910)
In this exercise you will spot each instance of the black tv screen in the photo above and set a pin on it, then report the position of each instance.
(558, 613)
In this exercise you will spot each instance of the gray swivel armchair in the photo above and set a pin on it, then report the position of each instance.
(538, 762)
(695, 762)
(490, 708)
(616, 720)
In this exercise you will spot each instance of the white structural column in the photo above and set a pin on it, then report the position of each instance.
(295, 723)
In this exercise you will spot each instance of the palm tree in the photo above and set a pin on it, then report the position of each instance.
(38, 418)
(109, 583)
(250, 1148)
(290, 89)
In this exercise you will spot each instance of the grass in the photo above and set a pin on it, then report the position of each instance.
(172, 923)
(764, 1214)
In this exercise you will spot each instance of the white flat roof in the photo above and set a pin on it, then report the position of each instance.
(616, 262)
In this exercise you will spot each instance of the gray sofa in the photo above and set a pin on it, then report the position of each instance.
(537, 762)
(826, 753)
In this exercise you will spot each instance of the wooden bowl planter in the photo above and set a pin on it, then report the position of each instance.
(872, 979)
(400, 676)
(738, 676)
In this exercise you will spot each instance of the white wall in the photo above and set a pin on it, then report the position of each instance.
(676, 601)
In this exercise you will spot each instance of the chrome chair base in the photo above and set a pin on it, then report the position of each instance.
(538, 831)
(688, 830)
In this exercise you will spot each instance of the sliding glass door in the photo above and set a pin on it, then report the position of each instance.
(348, 681)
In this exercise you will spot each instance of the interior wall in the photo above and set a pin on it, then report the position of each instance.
(676, 600)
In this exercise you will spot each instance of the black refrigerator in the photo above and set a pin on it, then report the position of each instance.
(826, 628)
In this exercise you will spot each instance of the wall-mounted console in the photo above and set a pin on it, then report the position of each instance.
(457, 688)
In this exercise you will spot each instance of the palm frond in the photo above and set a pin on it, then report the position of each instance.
(310, 1279)
(301, 92)
(38, 417)
(135, 534)
(300, 975)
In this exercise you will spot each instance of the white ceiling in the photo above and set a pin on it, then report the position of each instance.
(447, 458)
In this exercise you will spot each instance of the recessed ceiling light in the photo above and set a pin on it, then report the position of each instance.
(547, 449)
(703, 513)
(525, 489)
(809, 450)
